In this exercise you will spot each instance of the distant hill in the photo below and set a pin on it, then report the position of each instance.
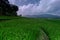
(43, 16)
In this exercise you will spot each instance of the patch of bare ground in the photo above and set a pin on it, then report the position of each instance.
(42, 35)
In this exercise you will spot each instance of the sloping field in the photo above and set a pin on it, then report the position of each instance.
(19, 28)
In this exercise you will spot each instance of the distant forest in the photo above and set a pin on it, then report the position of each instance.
(7, 9)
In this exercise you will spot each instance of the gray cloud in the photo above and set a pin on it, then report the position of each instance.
(26, 2)
(12, 1)
(43, 7)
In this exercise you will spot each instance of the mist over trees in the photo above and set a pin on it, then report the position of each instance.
(7, 9)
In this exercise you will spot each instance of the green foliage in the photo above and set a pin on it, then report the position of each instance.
(28, 28)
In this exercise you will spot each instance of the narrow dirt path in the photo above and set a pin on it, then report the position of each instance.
(42, 35)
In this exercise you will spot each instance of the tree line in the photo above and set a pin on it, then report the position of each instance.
(8, 9)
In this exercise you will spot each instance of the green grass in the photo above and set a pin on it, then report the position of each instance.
(19, 28)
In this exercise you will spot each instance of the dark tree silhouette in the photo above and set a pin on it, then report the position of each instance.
(8, 9)
(12, 9)
(3, 4)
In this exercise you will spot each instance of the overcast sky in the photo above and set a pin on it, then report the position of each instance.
(37, 7)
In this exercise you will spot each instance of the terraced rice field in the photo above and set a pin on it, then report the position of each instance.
(20, 28)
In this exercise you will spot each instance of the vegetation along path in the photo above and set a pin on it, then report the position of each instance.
(20, 28)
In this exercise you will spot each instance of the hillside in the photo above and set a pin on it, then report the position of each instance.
(19, 28)
(43, 16)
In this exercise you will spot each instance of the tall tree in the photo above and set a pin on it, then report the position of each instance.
(7, 9)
